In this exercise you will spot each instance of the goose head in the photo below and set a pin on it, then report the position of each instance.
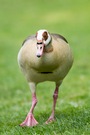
(43, 39)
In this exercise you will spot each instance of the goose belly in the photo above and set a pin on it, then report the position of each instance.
(33, 75)
(52, 66)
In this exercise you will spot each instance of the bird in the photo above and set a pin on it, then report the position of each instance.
(44, 56)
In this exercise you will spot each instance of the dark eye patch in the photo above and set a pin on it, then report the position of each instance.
(39, 43)
(45, 35)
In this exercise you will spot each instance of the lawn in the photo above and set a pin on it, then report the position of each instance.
(19, 19)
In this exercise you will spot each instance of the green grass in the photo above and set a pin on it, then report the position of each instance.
(20, 18)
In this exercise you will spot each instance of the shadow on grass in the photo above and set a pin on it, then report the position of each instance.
(73, 120)
(70, 121)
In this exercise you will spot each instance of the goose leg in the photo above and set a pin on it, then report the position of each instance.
(30, 120)
(55, 96)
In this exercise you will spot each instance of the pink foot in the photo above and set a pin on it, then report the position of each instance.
(29, 121)
(50, 120)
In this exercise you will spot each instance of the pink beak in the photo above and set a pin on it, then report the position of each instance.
(40, 48)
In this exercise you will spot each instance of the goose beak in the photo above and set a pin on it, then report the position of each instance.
(40, 48)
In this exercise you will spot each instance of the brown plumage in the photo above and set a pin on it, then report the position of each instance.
(44, 57)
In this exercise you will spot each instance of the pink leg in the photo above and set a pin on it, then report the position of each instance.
(55, 96)
(30, 120)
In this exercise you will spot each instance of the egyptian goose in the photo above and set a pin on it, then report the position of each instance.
(44, 57)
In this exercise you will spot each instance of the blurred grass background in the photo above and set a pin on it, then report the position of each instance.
(19, 19)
